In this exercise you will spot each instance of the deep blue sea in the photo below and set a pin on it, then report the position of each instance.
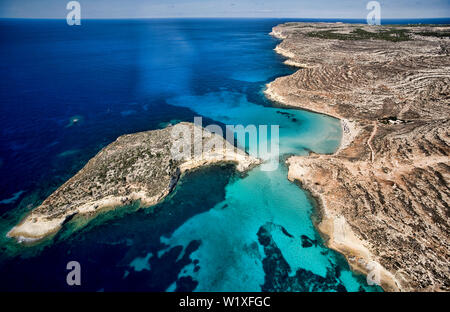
(66, 92)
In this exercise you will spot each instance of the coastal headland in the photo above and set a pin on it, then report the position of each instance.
(383, 196)
(139, 167)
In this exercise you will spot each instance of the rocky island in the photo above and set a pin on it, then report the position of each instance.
(136, 167)
(384, 195)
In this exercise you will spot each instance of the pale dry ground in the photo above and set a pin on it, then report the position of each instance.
(384, 195)
(136, 167)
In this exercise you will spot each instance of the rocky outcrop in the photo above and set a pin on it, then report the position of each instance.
(136, 167)
(384, 195)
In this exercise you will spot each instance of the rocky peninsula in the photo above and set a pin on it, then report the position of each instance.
(384, 195)
(136, 167)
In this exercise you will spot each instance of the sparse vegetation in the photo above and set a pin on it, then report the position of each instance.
(439, 34)
(394, 35)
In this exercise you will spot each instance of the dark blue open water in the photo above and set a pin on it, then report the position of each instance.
(66, 92)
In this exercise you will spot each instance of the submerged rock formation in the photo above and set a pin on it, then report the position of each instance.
(136, 167)
(384, 195)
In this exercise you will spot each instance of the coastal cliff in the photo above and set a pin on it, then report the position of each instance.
(384, 195)
(136, 167)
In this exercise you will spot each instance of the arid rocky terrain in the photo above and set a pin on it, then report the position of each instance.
(384, 195)
(136, 167)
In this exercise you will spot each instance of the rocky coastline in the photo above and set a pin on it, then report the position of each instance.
(138, 167)
(384, 195)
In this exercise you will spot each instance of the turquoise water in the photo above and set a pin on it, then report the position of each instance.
(218, 230)
(232, 257)
(298, 130)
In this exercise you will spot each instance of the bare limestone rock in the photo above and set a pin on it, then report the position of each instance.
(384, 195)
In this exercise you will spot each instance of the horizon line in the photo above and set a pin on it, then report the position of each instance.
(223, 17)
